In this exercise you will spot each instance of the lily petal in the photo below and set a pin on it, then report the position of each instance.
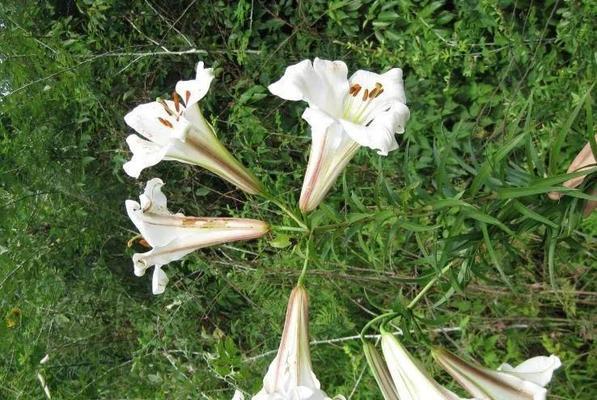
(159, 280)
(194, 90)
(538, 370)
(486, 384)
(379, 134)
(331, 150)
(380, 372)
(160, 228)
(322, 84)
(411, 380)
(292, 366)
(391, 82)
(290, 375)
(152, 199)
(145, 154)
(153, 122)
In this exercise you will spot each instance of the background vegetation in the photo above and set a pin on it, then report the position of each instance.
(500, 94)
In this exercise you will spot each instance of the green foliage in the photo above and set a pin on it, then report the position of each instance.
(501, 100)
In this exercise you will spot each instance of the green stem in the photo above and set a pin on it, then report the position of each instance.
(428, 286)
(391, 314)
(306, 263)
(288, 212)
(287, 228)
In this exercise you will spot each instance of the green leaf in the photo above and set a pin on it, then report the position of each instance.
(281, 241)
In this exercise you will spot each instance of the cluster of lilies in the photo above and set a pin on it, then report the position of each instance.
(365, 110)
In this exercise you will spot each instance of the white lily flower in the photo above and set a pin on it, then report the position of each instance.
(525, 382)
(344, 114)
(176, 130)
(290, 376)
(173, 236)
(411, 380)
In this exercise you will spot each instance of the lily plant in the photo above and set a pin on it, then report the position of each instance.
(177, 130)
(172, 236)
(403, 377)
(290, 376)
(367, 109)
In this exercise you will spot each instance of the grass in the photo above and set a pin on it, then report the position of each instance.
(501, 95)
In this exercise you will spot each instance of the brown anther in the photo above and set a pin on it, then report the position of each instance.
(365, 94)
(166, 123)
(176, 101)
(355, 89)
(187, 96)
(373, 93)
(379, 93)
(378, 85)
(139, 239)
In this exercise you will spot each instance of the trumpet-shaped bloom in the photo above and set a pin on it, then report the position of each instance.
(411, 380)
(344, 114)
(525, 382)
(173, 236)
(290, 376)
(176, 130)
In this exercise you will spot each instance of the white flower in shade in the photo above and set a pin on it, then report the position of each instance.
(290, 376)
(366, 110)
(176, 130)
(525, 382)
(411, 381)
(172, 236)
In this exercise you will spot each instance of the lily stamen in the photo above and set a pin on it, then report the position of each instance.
(355, 89)
(166, 123)
(176, 101)
(163, 103)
